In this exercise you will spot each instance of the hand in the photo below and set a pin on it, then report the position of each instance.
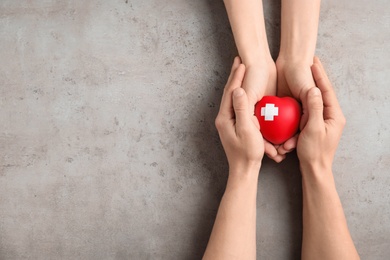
(260, 80)
(238, 128)
(318, 140)
(294, 80)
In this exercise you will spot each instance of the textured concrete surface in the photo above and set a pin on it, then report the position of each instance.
(108, 145)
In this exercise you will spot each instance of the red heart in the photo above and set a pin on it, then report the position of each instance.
(278, 117)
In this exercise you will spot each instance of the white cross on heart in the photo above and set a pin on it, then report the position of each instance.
(269, 111)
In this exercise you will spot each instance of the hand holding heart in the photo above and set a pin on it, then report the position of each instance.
(277, 118)
(238, 128)
(318, 140)
(262, 73)
(293, 80)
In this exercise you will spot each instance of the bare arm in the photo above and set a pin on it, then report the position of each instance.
(299, 30)
(298, 42)
(325, 230)
(234, 231)
(247, 21)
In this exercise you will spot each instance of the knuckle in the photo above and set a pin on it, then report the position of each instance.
(316, 105)
(219, 123)
(239, 108)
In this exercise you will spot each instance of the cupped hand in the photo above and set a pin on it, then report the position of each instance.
(294, 80)
(238, 128)
(318, 140)
(260, 80)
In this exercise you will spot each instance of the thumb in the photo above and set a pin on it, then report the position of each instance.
(241, 109)
(315, 107)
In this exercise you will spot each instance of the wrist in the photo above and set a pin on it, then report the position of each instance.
(247, 23)
(317, 180)
(297, 52)
(294, 61)
(243, 186)
(316, 171)
(246, 180)
(299, 29)
(257, 58)
(249, 171)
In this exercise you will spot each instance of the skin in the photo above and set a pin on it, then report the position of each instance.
(299, 28)
(291, 74)
(234, 231)
(325, 230)
(247, 22)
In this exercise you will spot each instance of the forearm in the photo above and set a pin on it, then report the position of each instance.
(247, 21)
(299, 30)
(234, 231)
(325, 230)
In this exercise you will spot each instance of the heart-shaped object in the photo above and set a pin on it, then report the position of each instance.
(279, 118)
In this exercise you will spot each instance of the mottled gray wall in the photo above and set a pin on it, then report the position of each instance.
(108, 145)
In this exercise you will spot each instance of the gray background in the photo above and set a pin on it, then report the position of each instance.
(107, 137)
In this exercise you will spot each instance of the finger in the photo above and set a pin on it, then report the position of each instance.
(304, 117)
(288, 146)
(226, 107)
(317, 61)
(331, 104)
(315, 108)
(282, 151)
(278, 158)
(271, 152)
(252, 97)
(322, 80)
(236, 63)
(241, 111)
(291, 143)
